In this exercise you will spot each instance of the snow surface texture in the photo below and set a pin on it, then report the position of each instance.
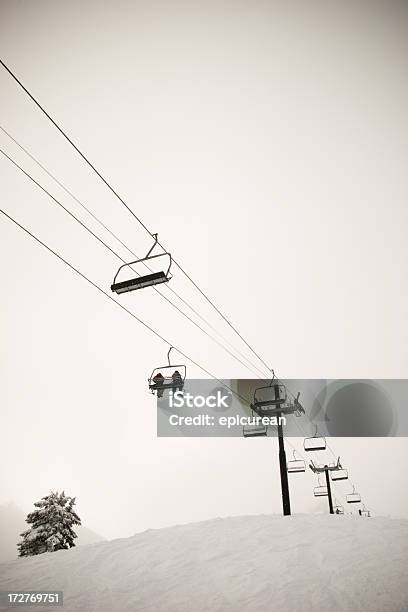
(256, 563)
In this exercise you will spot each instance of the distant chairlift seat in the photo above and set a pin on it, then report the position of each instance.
(320, 491)
(339, 474)
(253, 431)
(295, 466)
(353, 498)
(315, 443)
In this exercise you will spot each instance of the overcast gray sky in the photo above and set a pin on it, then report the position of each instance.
(266, 143)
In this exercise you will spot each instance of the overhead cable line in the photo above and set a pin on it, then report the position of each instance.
(74, 197)
(148, 327)
(105, 245)
(129, 312)
(137, 218)
(117, 255)
(123, 202)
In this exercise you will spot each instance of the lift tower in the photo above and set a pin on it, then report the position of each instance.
(319, 469)
(271, 400)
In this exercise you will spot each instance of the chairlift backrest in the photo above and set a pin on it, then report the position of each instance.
(270, 395)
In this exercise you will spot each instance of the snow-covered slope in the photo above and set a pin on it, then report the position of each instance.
(256, 563)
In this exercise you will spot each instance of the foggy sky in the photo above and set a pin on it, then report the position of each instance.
(266, 143)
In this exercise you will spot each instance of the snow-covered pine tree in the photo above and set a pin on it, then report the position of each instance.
(51, 525)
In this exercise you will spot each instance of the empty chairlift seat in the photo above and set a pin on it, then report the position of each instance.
(139, 282)
(339, 474)
(295, 465)
(253, 431)
(353, 498)
(139, 279)
(315, 443)
(320, 491)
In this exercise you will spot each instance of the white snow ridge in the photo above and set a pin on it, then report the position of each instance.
(253, 563)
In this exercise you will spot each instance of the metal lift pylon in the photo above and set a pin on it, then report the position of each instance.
(319, 469)
(271, 400)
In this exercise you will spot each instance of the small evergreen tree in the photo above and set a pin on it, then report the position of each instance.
(51, 525)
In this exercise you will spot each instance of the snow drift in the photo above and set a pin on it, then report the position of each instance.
(256, 563)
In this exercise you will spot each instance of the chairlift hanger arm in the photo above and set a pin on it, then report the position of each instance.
(299, 405)
(168, 355)
(273, 377)
(155, 236)
(314, 467)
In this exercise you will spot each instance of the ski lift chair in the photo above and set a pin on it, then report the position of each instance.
(320, 491)
(168, 377)
(364, 511)
(146, 280)
(341, 474)
(268, 399)
(253, 431)
(354, 497)
(295, 465)
(315, 443)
